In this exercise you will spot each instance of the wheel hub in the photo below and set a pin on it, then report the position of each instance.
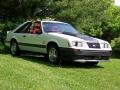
(53, 54)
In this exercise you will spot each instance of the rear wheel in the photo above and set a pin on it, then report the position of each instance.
(53, 54)
(14, 49)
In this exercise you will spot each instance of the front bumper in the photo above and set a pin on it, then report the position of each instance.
(86, 55)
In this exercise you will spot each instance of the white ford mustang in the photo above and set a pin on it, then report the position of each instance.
(57, 41)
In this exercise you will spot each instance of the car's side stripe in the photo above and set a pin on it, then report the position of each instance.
(27, 44)
(32, 45)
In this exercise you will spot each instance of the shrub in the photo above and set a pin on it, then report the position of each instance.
(116, 47)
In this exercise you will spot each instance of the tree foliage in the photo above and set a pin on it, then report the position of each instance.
(94, 17)
(111, 25)
(86, 15)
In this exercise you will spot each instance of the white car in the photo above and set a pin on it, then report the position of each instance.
(57, 41)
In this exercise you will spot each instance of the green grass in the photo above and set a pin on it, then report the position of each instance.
(31, 73)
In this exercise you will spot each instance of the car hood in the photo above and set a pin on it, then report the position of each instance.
(84, 38)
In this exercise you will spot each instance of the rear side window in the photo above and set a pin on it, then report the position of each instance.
(24, 28)
(35, 28)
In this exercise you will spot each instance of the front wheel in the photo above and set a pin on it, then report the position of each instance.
(14, 49)
(53, 54)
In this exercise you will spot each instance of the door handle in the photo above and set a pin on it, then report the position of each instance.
(24, 36)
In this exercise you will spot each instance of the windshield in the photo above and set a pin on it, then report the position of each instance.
(59, 28)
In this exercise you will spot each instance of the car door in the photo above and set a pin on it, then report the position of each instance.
(29, 41)
(35, 43)
(20, 35)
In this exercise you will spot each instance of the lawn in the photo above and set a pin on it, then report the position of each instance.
(35, 73)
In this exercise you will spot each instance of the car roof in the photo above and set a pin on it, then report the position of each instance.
(54, 22)
(51, 21)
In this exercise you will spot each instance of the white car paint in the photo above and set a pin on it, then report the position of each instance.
(62, 40)
(85, 46)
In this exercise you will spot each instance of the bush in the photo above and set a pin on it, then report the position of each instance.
(1, 26)
(0, 35)
(1, 38)
(8, 26)
(116, 47)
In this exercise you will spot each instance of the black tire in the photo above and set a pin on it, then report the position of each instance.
(14, 48)
(92, 63)
(53, 54)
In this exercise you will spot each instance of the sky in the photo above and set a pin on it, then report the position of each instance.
(117, 2)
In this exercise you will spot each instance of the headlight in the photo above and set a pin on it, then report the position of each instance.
(105, 45)
(77, 44)
(74, 43)
(80, 44)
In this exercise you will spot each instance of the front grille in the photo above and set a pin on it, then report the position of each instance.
(93, 45)
(93, 53)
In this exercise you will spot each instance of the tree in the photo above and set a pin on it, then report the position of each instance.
(21, 8)
(86, 15)
(111, 25)
(94, 17)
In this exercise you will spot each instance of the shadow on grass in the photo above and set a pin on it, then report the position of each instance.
(41, 60)
(4, 49)
(64, 64)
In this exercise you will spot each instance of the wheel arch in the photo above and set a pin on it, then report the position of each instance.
(52, 43)
(13, 39)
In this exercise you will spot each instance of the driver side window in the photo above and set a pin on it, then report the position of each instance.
(35, 28)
